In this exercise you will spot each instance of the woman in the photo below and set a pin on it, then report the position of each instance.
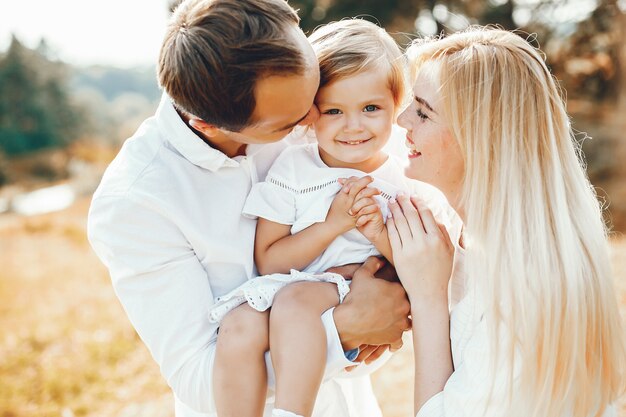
(534, 329)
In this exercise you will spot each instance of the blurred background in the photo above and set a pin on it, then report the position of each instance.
(77, 78)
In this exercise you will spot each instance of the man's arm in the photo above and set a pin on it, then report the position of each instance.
(164, 290)
(375, 311)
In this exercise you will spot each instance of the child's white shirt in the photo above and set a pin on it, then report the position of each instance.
(298, 191)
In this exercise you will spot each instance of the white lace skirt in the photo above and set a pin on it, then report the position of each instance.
(259, 292)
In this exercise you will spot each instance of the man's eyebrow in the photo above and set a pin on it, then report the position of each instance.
(425, 103)
(289, 126)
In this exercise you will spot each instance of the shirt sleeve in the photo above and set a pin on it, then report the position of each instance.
(164, 290)
(467, 391)
(473, 389)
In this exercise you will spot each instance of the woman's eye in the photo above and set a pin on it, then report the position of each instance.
(370, 107)
(421, 115)
(332, 111)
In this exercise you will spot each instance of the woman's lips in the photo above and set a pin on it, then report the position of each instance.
(413, 153)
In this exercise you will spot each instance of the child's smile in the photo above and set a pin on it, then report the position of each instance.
(356, 115)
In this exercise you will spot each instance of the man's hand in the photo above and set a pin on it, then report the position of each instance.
(369, 353)
(386, 272)
(375, 311)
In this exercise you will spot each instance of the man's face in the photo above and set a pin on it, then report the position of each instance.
(282, 102)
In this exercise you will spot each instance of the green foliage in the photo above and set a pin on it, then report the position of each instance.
(35, 110)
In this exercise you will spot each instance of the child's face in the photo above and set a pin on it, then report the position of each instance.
(356, 115)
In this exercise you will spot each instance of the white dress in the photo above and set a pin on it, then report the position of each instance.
(298, 191)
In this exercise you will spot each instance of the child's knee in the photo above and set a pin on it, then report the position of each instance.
(304, 298)
(244, 330)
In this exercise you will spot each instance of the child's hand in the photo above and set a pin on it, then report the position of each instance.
(369, 220)
(340, 214)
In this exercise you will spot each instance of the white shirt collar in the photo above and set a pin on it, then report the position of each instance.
(185, 141)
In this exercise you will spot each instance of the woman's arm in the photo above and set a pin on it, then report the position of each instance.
(423, 255)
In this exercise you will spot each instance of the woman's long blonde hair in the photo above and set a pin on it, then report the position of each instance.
(538, 250)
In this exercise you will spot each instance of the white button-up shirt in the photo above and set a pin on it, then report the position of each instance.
(166, 221)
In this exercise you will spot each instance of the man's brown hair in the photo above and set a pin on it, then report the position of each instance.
(214, 52)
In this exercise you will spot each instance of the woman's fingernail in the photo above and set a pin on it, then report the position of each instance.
(392, 201)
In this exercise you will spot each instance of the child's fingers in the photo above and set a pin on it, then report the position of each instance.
(358, 185)
(363, 220)
(369, 209)
(348, 183)
(358, 205)
(367, 192)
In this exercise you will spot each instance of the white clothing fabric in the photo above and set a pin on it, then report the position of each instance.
(166, 221)
(282, 413)
(466, 393)
(298, 191)
(259, 292)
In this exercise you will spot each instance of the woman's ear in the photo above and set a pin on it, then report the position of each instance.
(203, 127)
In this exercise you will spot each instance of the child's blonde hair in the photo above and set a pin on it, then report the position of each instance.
(350, 46)
(538, 253)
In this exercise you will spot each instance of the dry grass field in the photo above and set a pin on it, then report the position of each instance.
(67, 348)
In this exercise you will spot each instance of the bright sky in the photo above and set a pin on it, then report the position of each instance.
(122, 33)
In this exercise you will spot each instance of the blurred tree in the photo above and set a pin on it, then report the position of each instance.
(35, 111)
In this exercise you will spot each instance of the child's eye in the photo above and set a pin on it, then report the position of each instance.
(421, 115)
(332, 111)
(370, 107)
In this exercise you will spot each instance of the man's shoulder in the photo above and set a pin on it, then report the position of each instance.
(139, 163)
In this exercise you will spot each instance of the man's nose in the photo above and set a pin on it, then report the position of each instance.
(311, 117)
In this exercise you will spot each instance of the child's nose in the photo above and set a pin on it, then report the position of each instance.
(353, 123)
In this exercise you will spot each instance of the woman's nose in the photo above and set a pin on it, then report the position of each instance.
(402, 119)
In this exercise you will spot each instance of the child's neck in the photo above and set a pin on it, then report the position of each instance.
(367, 166)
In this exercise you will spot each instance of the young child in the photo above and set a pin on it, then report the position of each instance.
(315, 211)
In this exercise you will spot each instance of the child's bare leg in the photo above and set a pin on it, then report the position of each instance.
(298, 343)
(239, 371)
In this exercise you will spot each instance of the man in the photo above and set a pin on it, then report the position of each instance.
(237, 76)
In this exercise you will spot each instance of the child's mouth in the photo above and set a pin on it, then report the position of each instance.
(353, 142)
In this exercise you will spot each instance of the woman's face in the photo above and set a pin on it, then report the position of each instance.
(434, 155)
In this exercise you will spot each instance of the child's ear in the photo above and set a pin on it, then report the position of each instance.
(203, 127)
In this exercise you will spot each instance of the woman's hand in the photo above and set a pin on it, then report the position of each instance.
(422, 250)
